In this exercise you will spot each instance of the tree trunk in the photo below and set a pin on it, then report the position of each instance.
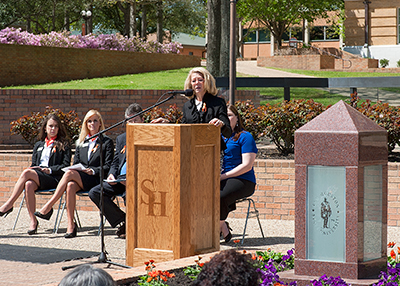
(214, 36)
(159, 22)
(127, 17)
(132, 20)
(225, 39)
(144, 22)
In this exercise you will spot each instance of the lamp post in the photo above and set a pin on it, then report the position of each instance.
(232, 68)
(85, 15)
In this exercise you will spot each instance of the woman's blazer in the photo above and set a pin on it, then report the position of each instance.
(215, 107)
(81, 156)
(58, 158)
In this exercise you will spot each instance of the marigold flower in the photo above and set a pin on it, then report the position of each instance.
(393, 254)
(391, 244)
(201, 264)
(253, 257)
(398, 250)
(236, 241)
(151, 261)
(147, 263)
(149, 279)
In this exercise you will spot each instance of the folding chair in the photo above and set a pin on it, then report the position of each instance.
(49, 192)
(253, 213)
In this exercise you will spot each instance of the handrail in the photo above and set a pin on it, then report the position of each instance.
(333, 55)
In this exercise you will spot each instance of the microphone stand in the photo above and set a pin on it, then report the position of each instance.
(103, 254)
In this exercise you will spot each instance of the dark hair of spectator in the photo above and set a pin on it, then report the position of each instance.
(228, 268)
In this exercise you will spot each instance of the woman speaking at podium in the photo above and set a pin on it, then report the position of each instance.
(205, 106)
(73, 180)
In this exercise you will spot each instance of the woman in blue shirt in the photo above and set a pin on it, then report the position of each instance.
(237, 177)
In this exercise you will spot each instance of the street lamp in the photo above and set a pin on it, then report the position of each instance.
(85, 15)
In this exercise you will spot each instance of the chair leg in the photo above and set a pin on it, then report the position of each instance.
(245, 224)
(258, 218)
(19, 210)
(55, 229)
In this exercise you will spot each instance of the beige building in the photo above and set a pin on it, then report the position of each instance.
(372, 29)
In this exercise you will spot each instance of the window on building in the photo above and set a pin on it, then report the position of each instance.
(264, 35)
(250, 37)
(323, 33)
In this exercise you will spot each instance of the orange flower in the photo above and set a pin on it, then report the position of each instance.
(147, 263)
(201, 264)
(151, 261)
(398, 250)
(269, 249)
(391, 244)
(277, 284)
(149, 279)
(253, 257)
(236, 241)
(244, 251)
(393, 254)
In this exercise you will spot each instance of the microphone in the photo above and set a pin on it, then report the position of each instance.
(188, 92)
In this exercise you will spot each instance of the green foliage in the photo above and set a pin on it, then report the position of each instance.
(398, 63)
(154, 277)
(28, 125)
(283, 119)
(384, 115)
(281, 261)
(193, 271)
(384, 62)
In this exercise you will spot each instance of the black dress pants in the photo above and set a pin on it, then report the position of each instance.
(233, 189)
(112, 212)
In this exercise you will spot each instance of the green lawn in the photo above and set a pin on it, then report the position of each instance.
(170, 79)
(174, 79)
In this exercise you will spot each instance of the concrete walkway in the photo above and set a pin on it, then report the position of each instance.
(374, 94)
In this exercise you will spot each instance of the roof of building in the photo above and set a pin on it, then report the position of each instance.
(190, 40)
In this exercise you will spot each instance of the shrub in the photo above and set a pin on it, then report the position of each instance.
(253, 119)
(28, 126)
(92, 41)
(398, 63)
(283, 119)
(384, 115)
(384, 62)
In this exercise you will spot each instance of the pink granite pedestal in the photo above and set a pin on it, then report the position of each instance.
(342, 139)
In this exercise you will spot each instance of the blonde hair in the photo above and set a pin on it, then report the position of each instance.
(85, 130)
(209, 81)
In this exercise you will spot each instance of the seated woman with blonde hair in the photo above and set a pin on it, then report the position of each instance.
(49, 156)
(88, 154)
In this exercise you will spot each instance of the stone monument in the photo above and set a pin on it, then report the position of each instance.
(341, 196)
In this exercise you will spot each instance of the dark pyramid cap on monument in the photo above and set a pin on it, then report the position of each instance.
(340, 136)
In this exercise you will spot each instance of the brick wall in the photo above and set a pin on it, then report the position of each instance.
(21, 64)
(15, 103)
(274, 196)
(305, 62)
(318, 62)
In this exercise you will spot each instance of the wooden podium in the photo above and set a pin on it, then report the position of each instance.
(172, 191)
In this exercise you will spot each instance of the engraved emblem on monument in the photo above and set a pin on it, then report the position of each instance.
(325, 212)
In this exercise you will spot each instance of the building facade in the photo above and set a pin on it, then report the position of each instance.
(372, 29)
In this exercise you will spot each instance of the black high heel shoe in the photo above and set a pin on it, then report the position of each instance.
(73, 233)
(34, 231)
(6, 212)
(44, 216)
(228, 237)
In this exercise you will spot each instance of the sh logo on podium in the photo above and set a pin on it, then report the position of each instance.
(156, 201)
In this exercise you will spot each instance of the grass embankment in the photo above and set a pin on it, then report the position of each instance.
(174, 79)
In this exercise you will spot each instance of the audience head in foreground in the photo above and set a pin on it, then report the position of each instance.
(228, 267)
(87, 275)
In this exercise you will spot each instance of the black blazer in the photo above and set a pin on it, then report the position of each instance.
(58, 158)
(81, 156)
(215, 108)
(119, 156)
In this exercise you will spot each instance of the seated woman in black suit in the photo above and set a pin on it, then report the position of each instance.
(50, 155)
(88, 154)
(204, 106)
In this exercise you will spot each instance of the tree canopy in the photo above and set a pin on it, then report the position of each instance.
(278, 16)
